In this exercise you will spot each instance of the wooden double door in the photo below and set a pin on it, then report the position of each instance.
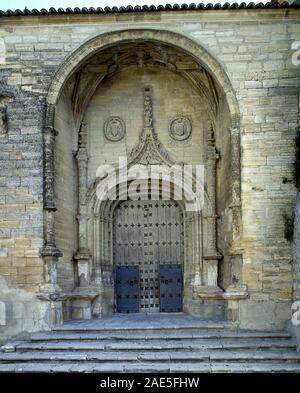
(148, 245)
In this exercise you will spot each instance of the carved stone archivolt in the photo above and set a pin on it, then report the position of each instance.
(180, 128)
(114, 129)
(139, 55)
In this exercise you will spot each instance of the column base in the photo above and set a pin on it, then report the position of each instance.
(82, 302)
(54, 302)
(233, 295)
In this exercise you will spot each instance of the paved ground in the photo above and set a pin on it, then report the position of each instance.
(150, 321)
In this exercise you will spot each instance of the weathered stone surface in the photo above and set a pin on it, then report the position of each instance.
(250, 82)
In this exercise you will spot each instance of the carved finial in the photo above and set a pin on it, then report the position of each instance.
(148, 115)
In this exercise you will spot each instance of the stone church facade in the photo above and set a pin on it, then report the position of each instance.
(215, 87)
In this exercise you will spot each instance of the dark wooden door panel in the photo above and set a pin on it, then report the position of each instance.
(170, 288)
(127, 289)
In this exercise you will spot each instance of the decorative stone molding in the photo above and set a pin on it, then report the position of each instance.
(50, 252)
(114, 129)
(149, 151)
(83, 254)
(236, 250)
(212, 256)
(180, 128)
(49, 171)
(236, 186)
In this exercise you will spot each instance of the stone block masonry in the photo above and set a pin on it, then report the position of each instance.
(254, 50)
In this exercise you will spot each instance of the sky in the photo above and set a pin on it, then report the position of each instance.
(15, 4)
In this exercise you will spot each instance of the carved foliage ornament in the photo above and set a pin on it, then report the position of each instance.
(180, 128)
(114, 129)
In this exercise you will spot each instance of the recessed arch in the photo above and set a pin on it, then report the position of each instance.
(205, 272)
(183, 43)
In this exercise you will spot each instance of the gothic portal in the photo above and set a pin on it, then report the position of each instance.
(150, 105)
(81, 90)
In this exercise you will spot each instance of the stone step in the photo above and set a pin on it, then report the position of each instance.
(135, 356)
(179, 335)
(117, 367)
(141, 323)
(159, 345)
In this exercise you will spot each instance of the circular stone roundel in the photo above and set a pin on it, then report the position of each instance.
(114, 129)
(180, 128)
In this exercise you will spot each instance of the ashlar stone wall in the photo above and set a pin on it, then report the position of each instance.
(254, 49)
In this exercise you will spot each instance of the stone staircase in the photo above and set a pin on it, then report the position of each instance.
(151, 343)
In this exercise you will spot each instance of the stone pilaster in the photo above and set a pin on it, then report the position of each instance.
(50, 252)
(235, 251)
(193, 220)
(82, 255)
(236, 186)
(211, 256)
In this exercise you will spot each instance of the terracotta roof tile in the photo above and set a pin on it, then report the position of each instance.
(149, 8)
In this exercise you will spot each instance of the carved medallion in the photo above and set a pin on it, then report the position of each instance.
(114, 129)
(180, 128)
